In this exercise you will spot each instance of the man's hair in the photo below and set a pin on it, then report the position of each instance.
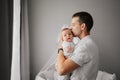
(85, 17)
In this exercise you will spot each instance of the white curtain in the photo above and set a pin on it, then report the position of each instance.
(20, 47)
(15, 67)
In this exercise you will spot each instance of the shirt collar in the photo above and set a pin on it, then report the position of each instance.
(83, 40)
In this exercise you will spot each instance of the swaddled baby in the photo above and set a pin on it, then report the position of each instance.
(68, 44)
(68, 47)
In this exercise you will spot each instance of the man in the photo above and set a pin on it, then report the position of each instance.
(85, 60)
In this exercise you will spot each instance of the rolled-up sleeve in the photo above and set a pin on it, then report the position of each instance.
(80, 56)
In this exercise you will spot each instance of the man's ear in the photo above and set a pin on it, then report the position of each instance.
(83, 26)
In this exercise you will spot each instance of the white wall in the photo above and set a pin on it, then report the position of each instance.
(47, 16)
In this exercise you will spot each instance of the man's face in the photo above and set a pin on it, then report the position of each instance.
(75, 25)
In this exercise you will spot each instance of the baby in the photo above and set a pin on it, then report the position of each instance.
(68, 44)
(68, 48)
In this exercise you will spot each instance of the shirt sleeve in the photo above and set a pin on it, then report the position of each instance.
(80, 56)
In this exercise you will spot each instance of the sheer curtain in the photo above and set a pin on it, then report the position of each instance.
(20, 46)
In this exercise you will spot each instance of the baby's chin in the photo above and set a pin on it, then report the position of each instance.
(69, 40)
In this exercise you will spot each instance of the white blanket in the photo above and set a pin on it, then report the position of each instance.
(102, 75)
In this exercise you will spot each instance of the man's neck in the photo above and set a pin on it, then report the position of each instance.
(82, 35)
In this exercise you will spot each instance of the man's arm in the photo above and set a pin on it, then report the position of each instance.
(65, 65)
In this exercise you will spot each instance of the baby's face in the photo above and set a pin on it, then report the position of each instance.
(67, 35)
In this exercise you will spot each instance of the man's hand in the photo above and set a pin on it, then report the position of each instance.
(64, 65)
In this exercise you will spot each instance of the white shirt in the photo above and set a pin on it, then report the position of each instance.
(86, 55)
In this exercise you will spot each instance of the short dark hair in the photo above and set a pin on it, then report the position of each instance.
(85, 17)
